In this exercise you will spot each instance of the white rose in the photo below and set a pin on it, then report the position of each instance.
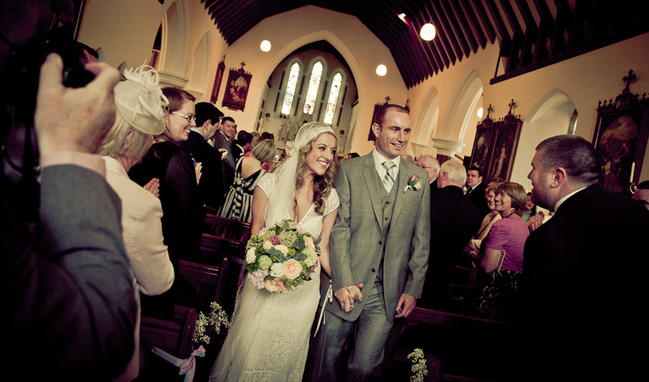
(268, 245)
(282, 248)
(250, 256)
(277, 270)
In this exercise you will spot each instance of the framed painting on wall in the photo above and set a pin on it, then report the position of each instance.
(481, 152)
(217, 81)
(620, 139)
(504, 148)
(236, 90)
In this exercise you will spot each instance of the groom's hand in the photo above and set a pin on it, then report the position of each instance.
(347, 295)
(405, 305)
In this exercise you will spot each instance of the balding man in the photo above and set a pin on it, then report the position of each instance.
(583, 282)
(431, 166)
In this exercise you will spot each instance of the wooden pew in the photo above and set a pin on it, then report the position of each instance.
(476, 339)
(200, 284)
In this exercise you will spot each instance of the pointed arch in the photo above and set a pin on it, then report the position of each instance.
(337, 80)
(554, 114)
(175, 38)
(199, 75)
(294, 69)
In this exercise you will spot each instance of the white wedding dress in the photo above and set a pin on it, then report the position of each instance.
(269, 336)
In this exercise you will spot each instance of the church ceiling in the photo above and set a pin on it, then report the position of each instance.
(531, 33)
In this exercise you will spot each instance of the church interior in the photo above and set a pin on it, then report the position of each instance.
(530, 69)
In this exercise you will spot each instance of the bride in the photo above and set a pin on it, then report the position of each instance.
(269, 337)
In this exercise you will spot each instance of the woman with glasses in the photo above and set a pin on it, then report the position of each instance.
(183, 212)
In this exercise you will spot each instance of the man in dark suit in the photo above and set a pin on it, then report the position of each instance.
(476, 190)
(378, 250)
(453, 220)
(223, 142)
(581, 314)
(430, 164)
(210, 184)
(241, 145)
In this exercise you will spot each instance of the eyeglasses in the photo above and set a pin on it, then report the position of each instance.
(424, 167)
(190, 118)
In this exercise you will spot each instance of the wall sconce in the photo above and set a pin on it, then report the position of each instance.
(381, 70)
(265, 46)
(428, 32)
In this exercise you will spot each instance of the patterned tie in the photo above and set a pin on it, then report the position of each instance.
(388, 179)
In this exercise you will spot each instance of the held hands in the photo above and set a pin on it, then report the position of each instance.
(405, 305)
(347, 295)
(74, 119)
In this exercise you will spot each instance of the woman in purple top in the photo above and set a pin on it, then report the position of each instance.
(502, 253)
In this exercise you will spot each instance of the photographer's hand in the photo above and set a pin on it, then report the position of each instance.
(69, 119)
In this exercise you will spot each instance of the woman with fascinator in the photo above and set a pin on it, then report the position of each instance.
(179, 194)
(140, 113)
(269, 336)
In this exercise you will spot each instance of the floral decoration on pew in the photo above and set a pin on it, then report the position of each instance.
(203, 329)
(281, 257)
(418, 368)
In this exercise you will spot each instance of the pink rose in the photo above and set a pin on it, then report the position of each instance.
(275, 240)
(292, 269)
(308, 241)
(274, 285)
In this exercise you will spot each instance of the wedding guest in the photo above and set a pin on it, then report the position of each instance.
(223, 142)
(502, 256)
(269, 337)
(140, 105)
(476, 189)
(241, 145)
(238, 201)
(574, 303)
(183, 212)
(474, 248)
(210, 185)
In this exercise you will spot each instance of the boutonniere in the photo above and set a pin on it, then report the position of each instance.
(413, 184)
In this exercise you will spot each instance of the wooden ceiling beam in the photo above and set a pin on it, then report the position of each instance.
(463, 26)
(445, 28)
(474, 24)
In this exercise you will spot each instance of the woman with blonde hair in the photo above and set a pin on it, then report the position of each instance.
(248, 173)
(269, 336)
(140, 112)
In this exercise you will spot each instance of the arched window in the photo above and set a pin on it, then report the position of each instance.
(333, 98)
(314, 85)
(291, 84)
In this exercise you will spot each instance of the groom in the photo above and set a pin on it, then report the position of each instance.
(378, 250)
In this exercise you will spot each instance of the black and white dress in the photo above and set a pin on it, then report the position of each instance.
(238, 201)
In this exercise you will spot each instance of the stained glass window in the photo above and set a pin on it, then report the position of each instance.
(291, 84)
(314, 85)
(333, 98)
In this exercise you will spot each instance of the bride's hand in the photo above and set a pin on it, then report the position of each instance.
(347, 295)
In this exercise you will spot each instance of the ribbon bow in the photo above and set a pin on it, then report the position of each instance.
(328, 297)
(187, 366)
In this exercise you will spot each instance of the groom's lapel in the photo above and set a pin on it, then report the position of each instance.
(374, 187)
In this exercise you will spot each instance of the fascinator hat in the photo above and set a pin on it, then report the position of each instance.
(280, 205)
(140, 101)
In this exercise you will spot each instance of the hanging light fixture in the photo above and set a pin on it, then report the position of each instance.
(428, 32)
(265, 46)
(480, 111)
(381, 70)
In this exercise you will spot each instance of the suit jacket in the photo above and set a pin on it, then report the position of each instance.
(229, 164)
(237, 151)
(210, 186)
(453, 221)
(357, 236)
(71, 298)
(477, 197)
(583, 280)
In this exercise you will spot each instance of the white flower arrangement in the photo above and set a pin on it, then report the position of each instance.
(217, 319)
(418, 368)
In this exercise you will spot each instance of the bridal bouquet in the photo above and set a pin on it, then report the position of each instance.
(281, 257)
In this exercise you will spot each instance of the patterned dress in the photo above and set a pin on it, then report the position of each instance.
(238, 201)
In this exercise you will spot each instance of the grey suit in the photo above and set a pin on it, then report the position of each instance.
(367, 238)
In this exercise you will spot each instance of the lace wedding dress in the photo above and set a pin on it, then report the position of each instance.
(269, 337)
